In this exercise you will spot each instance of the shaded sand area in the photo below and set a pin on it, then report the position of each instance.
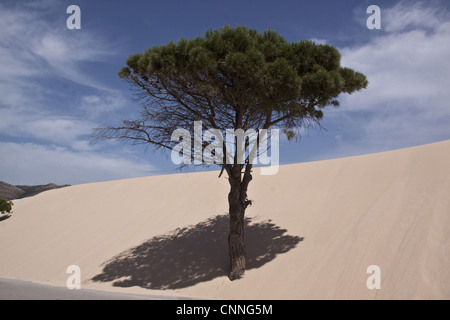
(311, 233)
(26, 290)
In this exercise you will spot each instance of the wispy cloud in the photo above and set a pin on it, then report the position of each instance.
(406, 102)
(65, 54)
(44, 128)
(31, 52)
(33, 47)
(28, 163)
(44, 131)
(96, 106)
(411, 15)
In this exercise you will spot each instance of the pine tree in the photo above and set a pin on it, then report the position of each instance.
(232, 78)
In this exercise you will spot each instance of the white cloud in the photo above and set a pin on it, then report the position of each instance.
(407, 65)
(37, 164)
(405, 15)
(96, 106)
(65, 52)
(17, 63)
(51, 48)
(406, 102)
(33, 48)
(319, 41)
(51, 128)
(48, 128)
(61, 131)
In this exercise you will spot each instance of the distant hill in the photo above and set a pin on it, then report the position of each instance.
(10, 192)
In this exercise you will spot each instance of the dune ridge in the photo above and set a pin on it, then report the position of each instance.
(313, 230)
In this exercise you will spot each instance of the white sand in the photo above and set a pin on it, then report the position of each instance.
(389, 209)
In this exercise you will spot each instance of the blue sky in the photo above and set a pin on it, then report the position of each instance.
(57, 84)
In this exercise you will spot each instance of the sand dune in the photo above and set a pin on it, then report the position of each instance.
(312, 231)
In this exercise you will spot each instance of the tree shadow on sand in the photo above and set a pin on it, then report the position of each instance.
(4, 216)
(193, 254)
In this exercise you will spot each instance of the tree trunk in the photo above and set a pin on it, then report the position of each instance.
(237, 200)
(236, 236)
